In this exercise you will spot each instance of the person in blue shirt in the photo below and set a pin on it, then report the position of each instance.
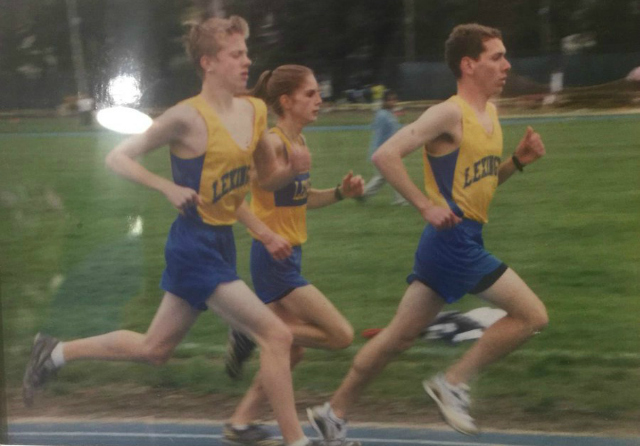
(384, 125)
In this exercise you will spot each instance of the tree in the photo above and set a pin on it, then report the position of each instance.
(337, 38)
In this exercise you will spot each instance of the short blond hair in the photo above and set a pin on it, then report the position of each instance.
(206, 38)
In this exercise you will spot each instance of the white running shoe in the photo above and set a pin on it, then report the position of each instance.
(326, 424)
(453, 402)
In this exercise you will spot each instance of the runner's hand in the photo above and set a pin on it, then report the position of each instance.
(440, 217)
(278, 246)
(352, 185)
(182, 198)
(300, 158)
(530, 148)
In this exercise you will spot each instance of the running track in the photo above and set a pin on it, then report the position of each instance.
(209, 434)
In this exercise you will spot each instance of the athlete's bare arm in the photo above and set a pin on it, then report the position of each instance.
(274, 168)
(351, 186)
(530, 149)
(176, 127)
(437, 130)
(277, 246)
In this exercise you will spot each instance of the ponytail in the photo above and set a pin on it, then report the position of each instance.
(260, 88)
(284, 80)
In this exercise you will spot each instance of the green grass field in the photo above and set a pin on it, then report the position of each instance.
(570, 225)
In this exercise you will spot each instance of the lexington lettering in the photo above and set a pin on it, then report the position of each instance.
(487, 166)
(229, 181)
(301, 190)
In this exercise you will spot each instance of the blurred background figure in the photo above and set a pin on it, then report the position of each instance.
(326, 91)
(377, 95)
(85, 106)
(384, 125)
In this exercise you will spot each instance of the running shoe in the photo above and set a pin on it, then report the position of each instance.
(39, 368)
(326, 424)
(239, 349)
(253, 435)
(453, 402)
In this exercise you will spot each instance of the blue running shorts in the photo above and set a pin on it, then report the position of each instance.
(199, 257)
(453, 262)
(274, 279)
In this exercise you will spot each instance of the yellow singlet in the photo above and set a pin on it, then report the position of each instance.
(285, 210)
(221, 175)
(466, 179)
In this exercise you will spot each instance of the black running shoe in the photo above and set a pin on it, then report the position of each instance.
(39, 368)
(239, 349)
(253, 435)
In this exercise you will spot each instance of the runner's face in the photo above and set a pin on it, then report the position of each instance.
(306, 101)
(492, 67)
(231, 64)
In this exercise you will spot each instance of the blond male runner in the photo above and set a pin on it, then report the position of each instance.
(212, 139)
(461, 141)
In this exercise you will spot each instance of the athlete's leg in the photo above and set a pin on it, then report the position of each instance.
(252, 405)
(169, 326)
(526, 315)
(419, 306)
(172, 320)
(314, 321)
(242, 309)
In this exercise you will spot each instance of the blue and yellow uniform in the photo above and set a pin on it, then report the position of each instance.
(453, 262)
(285, 213)
(200, 252)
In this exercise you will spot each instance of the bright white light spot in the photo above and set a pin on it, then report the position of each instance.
(135, 226)
(124, 90)
(123, 120)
